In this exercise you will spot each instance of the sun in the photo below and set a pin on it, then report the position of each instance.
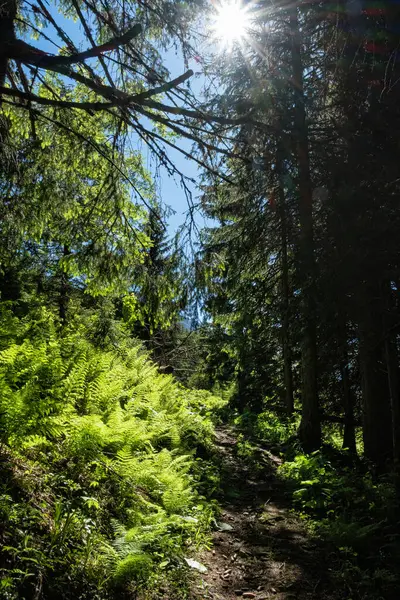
(231, 23)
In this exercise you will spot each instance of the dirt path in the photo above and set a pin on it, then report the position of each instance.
(261, 551)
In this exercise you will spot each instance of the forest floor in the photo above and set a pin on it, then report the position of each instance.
(261, 550)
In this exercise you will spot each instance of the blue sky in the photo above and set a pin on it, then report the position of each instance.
(171, 192)
(169, 188)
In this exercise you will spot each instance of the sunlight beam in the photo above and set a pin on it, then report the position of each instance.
(231, 23)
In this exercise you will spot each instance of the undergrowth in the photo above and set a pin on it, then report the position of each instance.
(100, 479)
(340, 503)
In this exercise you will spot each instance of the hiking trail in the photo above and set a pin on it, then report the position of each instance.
(261, 551)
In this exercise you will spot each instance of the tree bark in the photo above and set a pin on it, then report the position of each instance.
(286, 346)
(8, 13)
(310, 426)
(349, 436)
(392, 364)
(377, 422)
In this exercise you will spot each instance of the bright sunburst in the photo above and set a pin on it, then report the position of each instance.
(231, 23)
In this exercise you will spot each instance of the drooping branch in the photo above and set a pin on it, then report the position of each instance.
(20, 50)
(109, 93)
(90, 37)
(203, 116)
(91, 143)
(120, 101)
(136, 100)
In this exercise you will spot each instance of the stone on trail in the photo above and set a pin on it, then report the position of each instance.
(194, 564)
(225, 527)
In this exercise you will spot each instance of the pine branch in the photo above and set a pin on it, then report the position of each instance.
(20, 50)
(123, 100)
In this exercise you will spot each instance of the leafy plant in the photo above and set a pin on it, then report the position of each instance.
(101, 487)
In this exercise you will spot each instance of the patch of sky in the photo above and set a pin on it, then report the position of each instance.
(169, 189)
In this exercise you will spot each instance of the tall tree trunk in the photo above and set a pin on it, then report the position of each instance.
(377, 422)
(392, 364)
(310, 426)
(348, 397)
(8, 13)
(349, 435)
(286, 347)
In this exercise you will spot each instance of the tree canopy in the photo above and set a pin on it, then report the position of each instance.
(123, 343)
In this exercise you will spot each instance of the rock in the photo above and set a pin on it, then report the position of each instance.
(194, 564)
(190, 519)
(249, 595)
(225, 527)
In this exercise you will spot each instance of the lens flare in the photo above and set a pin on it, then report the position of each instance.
(231, 23)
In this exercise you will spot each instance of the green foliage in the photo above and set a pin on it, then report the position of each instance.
(135, 566)
(340, 501)
(99, 475)
(330, 490)
(274, 429)
(356, 513)
(76, 214)
(159, 287)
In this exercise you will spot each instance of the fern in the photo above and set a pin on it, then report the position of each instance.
(113, 440)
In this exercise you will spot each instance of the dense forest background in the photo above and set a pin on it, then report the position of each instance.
(122, 346)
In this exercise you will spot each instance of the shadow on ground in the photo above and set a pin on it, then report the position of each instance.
(261, 550)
